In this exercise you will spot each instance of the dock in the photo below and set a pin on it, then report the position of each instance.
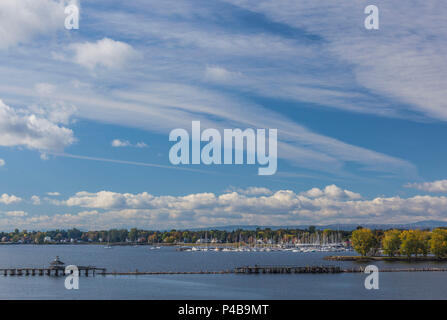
(83, 271)
(56, 268)
(288, 269)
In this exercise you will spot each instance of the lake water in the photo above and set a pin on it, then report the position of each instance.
(401, 285)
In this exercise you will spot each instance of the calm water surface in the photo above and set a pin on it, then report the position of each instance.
(424, 285)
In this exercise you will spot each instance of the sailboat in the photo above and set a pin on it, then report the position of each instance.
(206, 241)
(108, 246)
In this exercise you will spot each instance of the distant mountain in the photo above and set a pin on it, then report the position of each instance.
(427, 224)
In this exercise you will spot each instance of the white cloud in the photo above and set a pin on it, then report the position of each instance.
(21, 128)
(106, 53)
(220, 74)
(332, 192)
(403, 61)
(54, 110)
(9, 199)
(141, 145)
(271, 64)
(53, 194)
(35, 200)
(332, 204)
(107, 209)
(435, 186)
(118, 143)
(2, 162)
(252, 191)
(16, 214)
(24, 19)
(327, 205)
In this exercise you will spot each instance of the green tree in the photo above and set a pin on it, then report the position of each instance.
(363, 241)
(438, 243)
(39, 237)
(391, 242)
(133, 234)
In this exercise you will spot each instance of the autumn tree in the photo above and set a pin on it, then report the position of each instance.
(363, 241)
(438, 243)
(411, 242)
(424, 242)
(391, 242)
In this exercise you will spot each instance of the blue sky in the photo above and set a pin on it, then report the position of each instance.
(361, 114)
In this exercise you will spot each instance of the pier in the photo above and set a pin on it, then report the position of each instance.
(56, 268)
(288, 269)
(256, 269)
(83, 270)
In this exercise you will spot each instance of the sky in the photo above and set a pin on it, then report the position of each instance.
(85, 114)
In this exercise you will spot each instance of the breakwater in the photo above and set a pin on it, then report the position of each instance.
(385, 258)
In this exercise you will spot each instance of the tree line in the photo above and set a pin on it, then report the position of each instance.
(400, 242)
(264, 235)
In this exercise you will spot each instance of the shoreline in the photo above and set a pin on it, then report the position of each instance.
(384, 258)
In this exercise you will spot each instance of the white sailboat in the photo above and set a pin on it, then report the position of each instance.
(108, 246)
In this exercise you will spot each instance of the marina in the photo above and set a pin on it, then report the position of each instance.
(298, 248)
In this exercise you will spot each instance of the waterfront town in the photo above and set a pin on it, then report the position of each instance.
(364, 241)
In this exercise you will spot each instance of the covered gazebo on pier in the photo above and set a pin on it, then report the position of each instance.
(57, 264)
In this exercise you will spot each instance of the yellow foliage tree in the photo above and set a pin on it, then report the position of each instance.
(438, 243)
(362, 241)
(391, 242)
(414, 242)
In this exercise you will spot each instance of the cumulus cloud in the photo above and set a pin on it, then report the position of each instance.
(105, 53)
(35, 200)
(333, 192)
(16, 214)
(106, 209)
(9, 199)
(329, 205)
(435, 186)
(22, 20)
(21, 128)
(252, 191)
(118, 143)
(53, 194)
(2, 162)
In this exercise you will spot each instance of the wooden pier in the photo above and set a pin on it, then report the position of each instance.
(323, 269)
(287, 269)
(56, 268)
(83, 271)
